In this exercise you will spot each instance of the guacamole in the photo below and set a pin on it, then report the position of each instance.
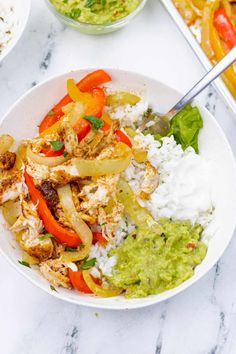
(148, 263)
(96, 11)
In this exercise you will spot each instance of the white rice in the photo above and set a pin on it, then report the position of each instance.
(105, 263)
(183, 193)
(7, 24)
(128, 115)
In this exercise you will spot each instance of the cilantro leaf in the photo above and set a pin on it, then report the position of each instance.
(53, 288)
(71, 249)
(90, 3)
(96, 122)
(56, 145)
(24, 263)
(65, 154)
(88, 263)
(51, 113)
(45, 237)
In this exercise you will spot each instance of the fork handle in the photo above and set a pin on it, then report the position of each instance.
(221, 66)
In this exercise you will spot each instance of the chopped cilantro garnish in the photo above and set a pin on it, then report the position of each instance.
(97, 123)
(45, 237)
(24, 263)
(65, 154)
(56, 145)
(71, 249)
(53, 288)
(90, 3)
(88, 263)
(51, 113)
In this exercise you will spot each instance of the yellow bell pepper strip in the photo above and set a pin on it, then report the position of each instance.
(199, 4)
(80, 227)
(87, 84)
(98, 289)
(74, 115)
(61, 234)
(139, 215)
(219, 54)
(186, 11)
(227, 7)
(206, 26)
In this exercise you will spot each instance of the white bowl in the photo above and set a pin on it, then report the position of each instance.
(22, 11)
(21, 122)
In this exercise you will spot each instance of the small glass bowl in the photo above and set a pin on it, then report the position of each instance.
(92, 28)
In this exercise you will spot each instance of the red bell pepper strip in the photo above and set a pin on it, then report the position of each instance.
(225, 27)
(52, 153)
(94, 79)
(82, 128)
(98, 101)
(123, 138)
(78, 282)
(87, 84)
(96, 106)
(97, 237)
(62, 235)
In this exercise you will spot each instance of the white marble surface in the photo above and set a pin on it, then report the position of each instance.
(202, 320)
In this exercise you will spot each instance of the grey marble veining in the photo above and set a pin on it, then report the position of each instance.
(201, 320)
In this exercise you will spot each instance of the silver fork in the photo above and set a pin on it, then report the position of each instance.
(221, 66)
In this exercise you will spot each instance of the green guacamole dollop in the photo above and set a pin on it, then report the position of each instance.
(96, 11)
(148, 263)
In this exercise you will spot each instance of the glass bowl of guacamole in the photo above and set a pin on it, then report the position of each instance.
(95, 16)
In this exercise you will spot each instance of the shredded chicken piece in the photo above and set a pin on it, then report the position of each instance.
(69, 137)
(11, 186)
(60, 216)
(31, 227)
(149, 182)
(7, 160)
(75, 194)
(98, 193)
(56, 272)
(87, 150)
(108, 222)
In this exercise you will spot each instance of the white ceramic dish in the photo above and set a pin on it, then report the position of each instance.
(22, 11)
(21, 122)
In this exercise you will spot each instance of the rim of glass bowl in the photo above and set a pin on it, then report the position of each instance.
(114, 24)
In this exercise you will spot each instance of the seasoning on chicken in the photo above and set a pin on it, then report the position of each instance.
(11, 186)
(29, 224)
(49, 193)
(149, 182)
(7, 160)
(56, 272)
(109, 220)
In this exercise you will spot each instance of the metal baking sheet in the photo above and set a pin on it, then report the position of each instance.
(218, 84)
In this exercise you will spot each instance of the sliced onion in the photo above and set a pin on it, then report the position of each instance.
(139, 215)
(98, 289)
(11, 210)
(6, 142)
(96, 168)
(43, 160)
(80, 227)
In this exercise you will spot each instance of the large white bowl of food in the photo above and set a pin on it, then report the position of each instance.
(13, 19)
(103, 203)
